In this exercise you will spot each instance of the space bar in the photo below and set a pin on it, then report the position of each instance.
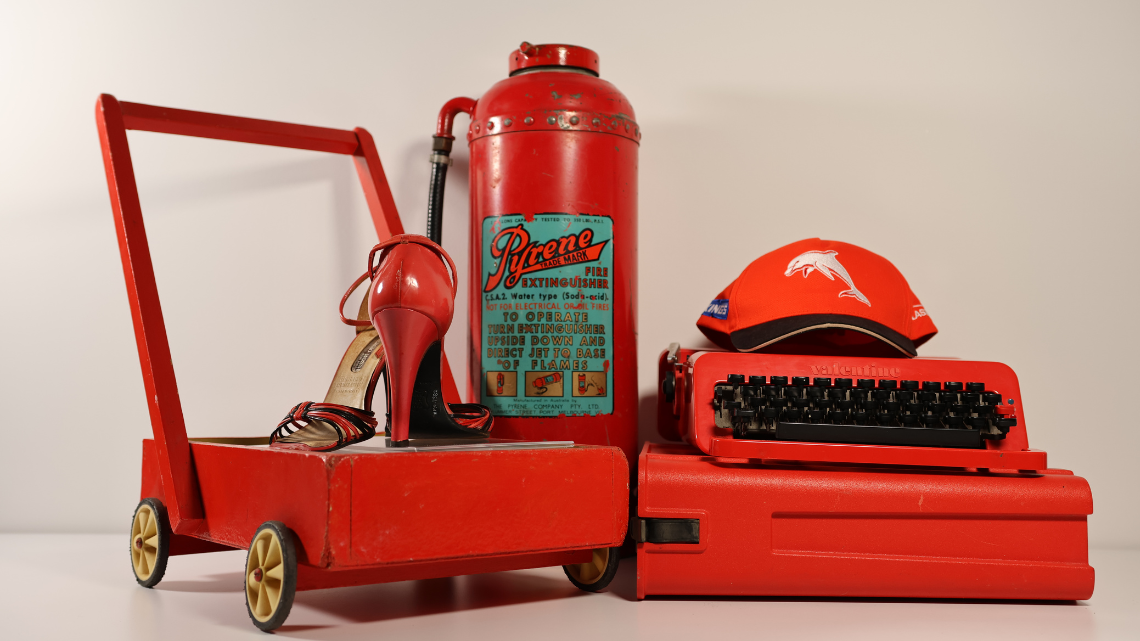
(874, 435)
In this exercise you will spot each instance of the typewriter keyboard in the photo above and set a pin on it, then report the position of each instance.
(862, 411)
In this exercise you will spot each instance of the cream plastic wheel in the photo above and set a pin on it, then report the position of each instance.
(597, 574)
(150, 542)
(270, 575)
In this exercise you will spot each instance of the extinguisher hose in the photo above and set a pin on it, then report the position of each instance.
(441, 160)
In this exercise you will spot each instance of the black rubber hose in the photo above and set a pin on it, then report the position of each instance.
(440, 161)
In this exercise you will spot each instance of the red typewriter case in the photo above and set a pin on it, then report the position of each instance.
(856, 477)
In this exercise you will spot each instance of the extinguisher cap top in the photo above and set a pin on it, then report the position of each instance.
(529, 56)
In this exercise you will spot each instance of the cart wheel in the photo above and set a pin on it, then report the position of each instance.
(270, 575)
(597, 574)
(150, 542)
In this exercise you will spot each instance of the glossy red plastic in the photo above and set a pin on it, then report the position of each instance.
(690, 416)
(772, 529)
(557, 140)
(360, 515)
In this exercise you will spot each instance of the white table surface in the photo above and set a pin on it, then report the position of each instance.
(79, 586)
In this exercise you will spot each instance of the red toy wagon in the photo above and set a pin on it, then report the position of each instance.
(442, 511)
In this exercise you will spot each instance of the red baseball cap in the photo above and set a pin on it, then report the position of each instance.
(819, 297)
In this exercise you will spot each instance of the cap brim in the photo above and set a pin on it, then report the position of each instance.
(750, 339)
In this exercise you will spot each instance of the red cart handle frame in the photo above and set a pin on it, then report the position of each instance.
(114, 118)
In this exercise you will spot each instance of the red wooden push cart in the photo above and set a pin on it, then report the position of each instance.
(420, 512)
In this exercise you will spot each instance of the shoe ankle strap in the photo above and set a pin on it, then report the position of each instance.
(382, 247)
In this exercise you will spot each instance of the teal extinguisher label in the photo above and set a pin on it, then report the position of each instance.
(548, 314)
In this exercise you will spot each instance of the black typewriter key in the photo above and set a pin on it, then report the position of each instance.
(756, 402)
(913, 408)
(871, 406)
(814, 416)
(983, 410)
(843, 383)
(814, 393)
(991, 398)
(909, 420)
(952, 387)
(910, 386)
(959, 408)
(821, 382)
(931, 386)
(771, 392)
(866, 383)
(954, 422)
(948, 397)
(845, 405)
(836, 394)
(884, 419)
(825, 404)
(859, 417)
(892, 406)
(1006, 423)
(975, 387)
(779, 381)
(927, 397)
(888, 385)
(745, 413)
(771, 413)
(793, 416)
(841, 418)
(881, 395)
(802, 381)
(930, 421)
(756, 381)
(801, 403)
(904, 397)
(936, 408)
(736, 379)
(792, 392)
(971, 398)
(978, 423)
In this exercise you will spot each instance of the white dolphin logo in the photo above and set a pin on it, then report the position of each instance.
(827, 264)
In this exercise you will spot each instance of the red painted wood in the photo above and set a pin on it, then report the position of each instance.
(184, 506)
(820, 530)
(113, 120)
(412, 514)
(466, 504)
(219, 127)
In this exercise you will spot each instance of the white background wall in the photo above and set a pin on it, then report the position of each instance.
(989, 149)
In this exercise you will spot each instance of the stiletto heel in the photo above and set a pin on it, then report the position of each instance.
(411, 303)
(410, 335)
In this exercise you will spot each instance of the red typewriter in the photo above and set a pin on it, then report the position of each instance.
(842, 476)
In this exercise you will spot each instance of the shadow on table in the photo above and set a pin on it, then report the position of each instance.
(386, 601)
(223, 582)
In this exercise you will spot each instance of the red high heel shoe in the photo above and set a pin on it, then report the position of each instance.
(411, 304)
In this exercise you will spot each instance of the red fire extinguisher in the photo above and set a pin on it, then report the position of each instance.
(553, 277)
